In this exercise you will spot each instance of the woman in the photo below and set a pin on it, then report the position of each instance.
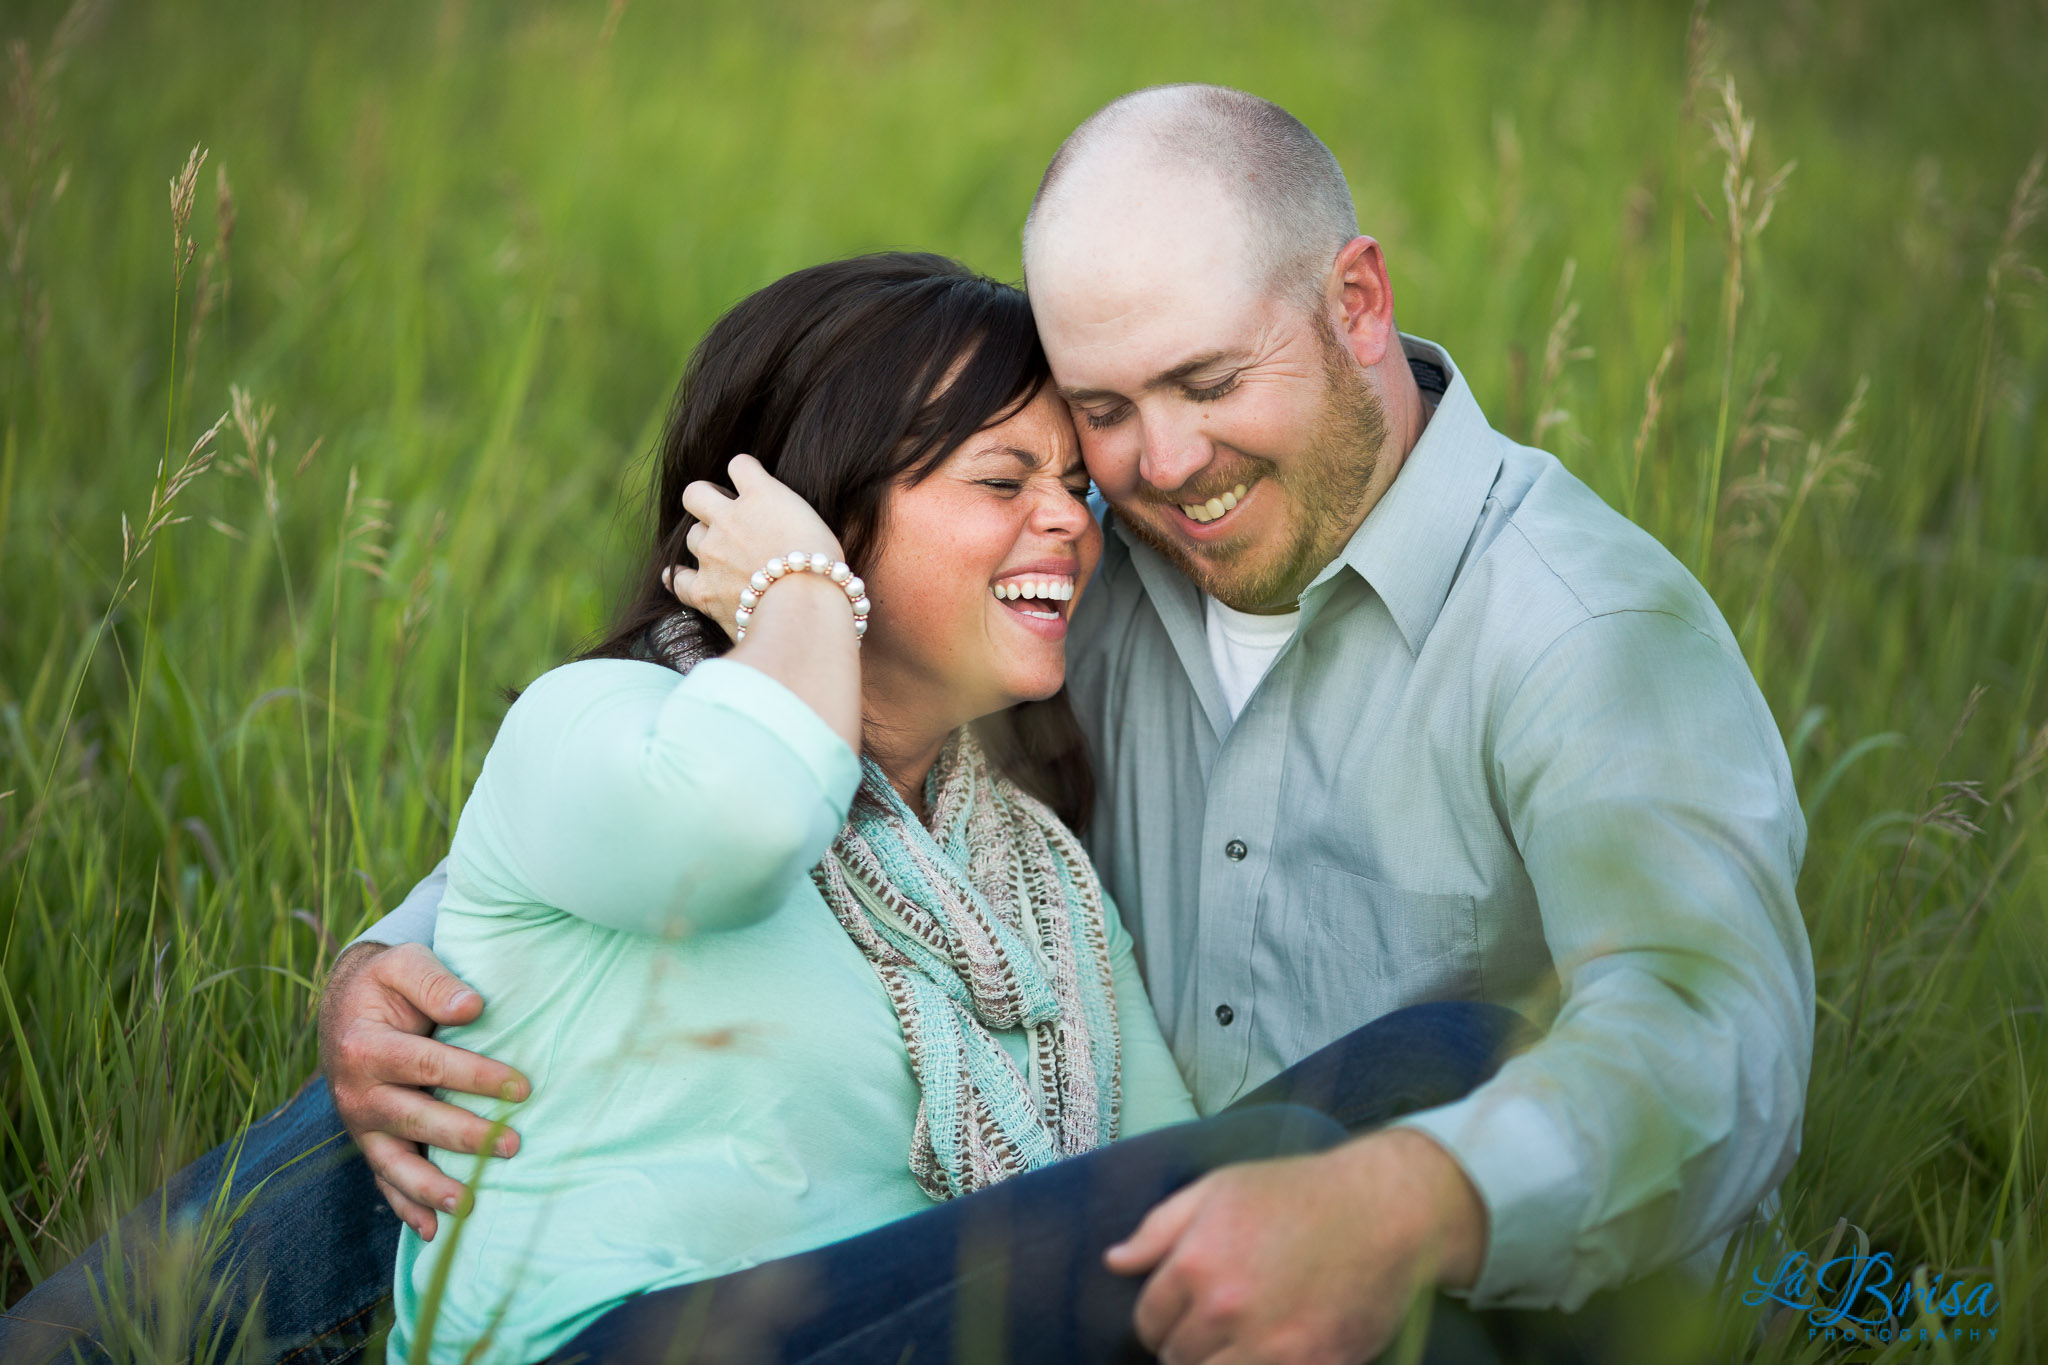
(773, 998)
(796, 950)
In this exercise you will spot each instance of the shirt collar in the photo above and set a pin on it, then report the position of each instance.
(1408, 548)
(1411, 543)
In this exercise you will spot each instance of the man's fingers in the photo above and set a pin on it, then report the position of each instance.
(1196, 1336)
(400, 1166)
(1162, 1227)
(413, 972)
(419, 1219)
(1164, 1302)
(412, 1116)
(407, 1059)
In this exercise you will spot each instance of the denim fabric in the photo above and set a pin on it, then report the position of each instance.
(317, 1242)
(1014, 1273)
(1016, 1268)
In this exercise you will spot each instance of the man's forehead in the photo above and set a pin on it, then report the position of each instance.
(1115, 225)
(1134, 328)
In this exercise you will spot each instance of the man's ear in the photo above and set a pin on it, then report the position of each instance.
(1361, 301)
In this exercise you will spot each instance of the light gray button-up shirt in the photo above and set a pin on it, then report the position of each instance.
(1512, 745)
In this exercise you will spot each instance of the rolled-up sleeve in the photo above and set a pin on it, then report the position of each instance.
(412, 920)
(1648, 791)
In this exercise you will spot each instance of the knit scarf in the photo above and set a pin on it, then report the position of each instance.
(989, 918)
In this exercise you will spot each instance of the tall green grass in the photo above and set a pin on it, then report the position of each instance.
(441, 266)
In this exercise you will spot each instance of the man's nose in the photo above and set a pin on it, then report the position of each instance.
(1176, 448)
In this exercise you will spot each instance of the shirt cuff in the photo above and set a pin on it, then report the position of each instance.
(412, 921)
(753, 695)
(1530, 1177)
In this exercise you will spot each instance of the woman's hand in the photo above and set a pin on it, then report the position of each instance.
(735, 536)
(801, 633)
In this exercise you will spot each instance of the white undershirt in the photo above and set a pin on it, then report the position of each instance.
(1243, 646)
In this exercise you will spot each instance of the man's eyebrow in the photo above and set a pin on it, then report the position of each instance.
(1165, 379)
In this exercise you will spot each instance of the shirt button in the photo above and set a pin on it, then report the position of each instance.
(1235, 851)
(1224, 1014)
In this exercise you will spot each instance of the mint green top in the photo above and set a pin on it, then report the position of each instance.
(718, 1077)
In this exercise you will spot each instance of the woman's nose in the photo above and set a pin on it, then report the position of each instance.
(1060, 513)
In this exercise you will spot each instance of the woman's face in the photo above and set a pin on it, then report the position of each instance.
(979, 569)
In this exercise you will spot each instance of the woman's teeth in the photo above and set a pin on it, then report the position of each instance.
(1214, 507)
(1039, 590)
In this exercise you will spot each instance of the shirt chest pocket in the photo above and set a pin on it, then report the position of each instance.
(1360, 948)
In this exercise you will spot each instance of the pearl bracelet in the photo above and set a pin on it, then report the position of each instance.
(798, 562)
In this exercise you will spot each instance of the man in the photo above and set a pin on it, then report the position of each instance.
(1386, 709)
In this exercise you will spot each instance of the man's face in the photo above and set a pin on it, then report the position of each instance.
(1224, 423)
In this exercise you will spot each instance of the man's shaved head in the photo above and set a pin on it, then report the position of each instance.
(1218, 328)
(1286, 186)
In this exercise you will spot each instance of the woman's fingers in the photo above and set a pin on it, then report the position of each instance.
(747, 474)
(705, 500)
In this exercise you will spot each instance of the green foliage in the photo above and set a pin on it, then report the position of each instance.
(457, 258)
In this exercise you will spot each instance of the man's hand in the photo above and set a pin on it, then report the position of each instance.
(379, 1007)
(1304, 1260)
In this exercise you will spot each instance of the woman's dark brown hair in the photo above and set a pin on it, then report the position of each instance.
(845, 380)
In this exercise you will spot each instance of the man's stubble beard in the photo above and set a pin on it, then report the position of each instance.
(1327, 484)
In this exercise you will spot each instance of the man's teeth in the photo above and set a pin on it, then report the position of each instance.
(1040, 589)
(1214, 507)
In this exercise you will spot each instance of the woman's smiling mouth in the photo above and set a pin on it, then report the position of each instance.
(1039, 601)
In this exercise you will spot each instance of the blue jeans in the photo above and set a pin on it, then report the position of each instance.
(1015, 1268)
(317, 1241)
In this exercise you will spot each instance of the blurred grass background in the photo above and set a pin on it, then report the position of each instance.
(454, 256)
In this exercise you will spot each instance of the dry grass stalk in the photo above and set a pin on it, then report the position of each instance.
(258, 460)
(215, 279)
(32, 147)
(360, 548)
(2005, 282)
(163, 497)
(1944, 806)
(184, 189)
(1746, 208)
(1829, 468)
(1558, 352)
(1653, 408)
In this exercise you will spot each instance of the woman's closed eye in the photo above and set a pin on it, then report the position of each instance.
(1076, 488)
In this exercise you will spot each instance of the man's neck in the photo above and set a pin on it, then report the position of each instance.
(1408, 414)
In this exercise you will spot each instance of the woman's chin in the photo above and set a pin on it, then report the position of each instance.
(1037, 685)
